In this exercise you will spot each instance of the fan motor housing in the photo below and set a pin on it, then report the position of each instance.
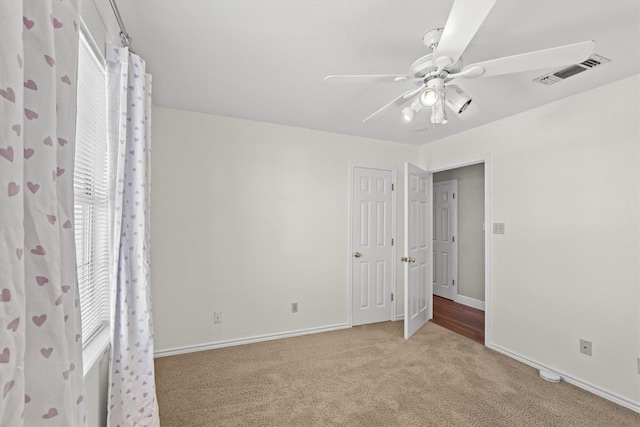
(432, 38)
(424, 68)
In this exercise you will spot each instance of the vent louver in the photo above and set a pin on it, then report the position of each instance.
(564, 73)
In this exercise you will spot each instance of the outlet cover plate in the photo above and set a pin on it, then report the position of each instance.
(585, 347)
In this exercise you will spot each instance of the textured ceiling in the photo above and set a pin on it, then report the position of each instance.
(265, 60)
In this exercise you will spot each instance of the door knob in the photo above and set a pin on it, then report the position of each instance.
(357, 254)
(412, 259)
(404, 259)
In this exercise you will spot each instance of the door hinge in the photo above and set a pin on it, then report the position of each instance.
(391, 242)
(453, 239)
(392, 187)
(454, 195)
(391, 297)
(453, 281)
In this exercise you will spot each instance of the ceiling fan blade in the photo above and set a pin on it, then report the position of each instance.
(366, 79)
(402, 99)
(547, 58)
(411, 93)
(464, 20)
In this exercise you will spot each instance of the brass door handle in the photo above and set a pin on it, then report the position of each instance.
(357, 254)
(412, 259)
(404, 259)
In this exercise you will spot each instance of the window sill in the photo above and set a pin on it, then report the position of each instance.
(97, 348)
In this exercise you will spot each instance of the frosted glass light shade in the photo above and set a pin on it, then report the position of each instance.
(429, 97)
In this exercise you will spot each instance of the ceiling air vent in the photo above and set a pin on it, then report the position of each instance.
(564, 73)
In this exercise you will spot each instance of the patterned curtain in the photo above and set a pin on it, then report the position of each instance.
(132, 398)
(41, 375)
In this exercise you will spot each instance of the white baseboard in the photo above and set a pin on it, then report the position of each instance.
(250, 340)
(470, 302)
(399, 317)
(605, 394)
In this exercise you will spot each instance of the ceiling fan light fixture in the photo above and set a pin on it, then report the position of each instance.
(438, 115)
(429, 97)
(456, 99)
(433, 93)
(408, 114)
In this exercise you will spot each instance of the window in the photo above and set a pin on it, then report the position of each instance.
(91, 191)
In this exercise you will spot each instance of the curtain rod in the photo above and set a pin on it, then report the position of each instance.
(125, 38)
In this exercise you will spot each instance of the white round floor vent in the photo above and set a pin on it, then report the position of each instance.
(550, 376)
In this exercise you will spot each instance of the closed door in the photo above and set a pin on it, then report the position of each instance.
(416, 272)
(371, 245)
(445, 246)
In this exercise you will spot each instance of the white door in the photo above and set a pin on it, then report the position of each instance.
(372, 250)
(445, 246)
(416, 271)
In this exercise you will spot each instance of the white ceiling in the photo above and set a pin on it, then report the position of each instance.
(265, 60)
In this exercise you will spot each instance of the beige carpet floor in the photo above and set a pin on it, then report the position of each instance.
(370, 376)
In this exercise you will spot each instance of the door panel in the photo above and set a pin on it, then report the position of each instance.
(445, 247)
(417, 298)
(372, 249)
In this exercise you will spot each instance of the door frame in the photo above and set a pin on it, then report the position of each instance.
(486, 159)
(394, 201)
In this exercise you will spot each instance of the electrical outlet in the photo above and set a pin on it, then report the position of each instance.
(294, 307)
(498, 228)
(585, 347)
(217, 317)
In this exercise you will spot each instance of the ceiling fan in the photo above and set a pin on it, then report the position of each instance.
(434, 72)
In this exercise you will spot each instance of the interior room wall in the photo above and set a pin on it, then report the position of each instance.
(470, 228)
(230, 234)
(248, 217)
(565, 181)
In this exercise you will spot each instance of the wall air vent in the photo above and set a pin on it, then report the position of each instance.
(564, 73)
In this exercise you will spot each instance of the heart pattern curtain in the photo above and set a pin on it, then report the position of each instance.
(132, 396)
(41, 373)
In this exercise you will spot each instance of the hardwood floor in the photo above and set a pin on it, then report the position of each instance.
(459, 318)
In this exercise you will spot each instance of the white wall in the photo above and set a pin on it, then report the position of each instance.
(565, 180)
(96, 382)
(470, 233)
(247, 218)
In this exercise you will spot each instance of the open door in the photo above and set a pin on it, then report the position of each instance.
(416, 237)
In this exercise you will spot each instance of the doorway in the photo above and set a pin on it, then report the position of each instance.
(459, 304)
(459, 318)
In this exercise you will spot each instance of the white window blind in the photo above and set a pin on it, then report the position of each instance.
(91, 190)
